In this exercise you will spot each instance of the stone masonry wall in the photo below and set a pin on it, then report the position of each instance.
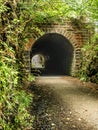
(76, 37)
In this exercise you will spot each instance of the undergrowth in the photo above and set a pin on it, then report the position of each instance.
(89, 66)
(14, 100)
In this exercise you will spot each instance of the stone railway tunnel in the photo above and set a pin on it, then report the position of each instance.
(60, 46)
(57, 52)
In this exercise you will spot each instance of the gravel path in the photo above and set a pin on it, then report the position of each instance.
(64, 103)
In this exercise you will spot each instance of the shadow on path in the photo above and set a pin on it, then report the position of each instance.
(57, 105)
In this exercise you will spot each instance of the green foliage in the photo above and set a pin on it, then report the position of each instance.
(14, 102)
(50, 11)
(89, 69)
(30, 77)
(85, 10)
(17, 26)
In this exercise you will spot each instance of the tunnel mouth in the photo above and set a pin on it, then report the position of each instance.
(37, 63)
(55, 52)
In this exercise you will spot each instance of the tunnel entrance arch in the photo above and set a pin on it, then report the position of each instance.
(77, 37)
(57, 52)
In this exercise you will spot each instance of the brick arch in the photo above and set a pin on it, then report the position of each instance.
(74, 36)
(77, 44)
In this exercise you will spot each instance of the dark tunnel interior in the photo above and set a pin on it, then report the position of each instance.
(57, 52)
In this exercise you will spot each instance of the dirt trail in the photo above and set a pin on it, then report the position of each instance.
(65, 103)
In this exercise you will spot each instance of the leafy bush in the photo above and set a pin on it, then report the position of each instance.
(14, 101)
(89, 68)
